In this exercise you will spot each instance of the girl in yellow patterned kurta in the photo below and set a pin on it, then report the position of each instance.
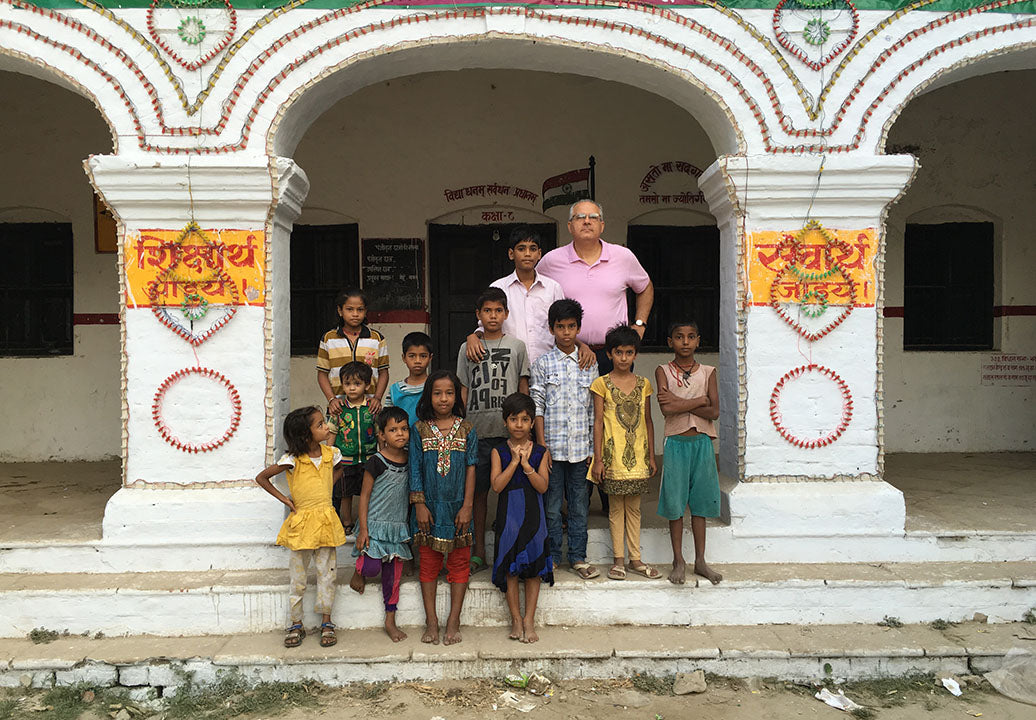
(624, 447)
(312, 529)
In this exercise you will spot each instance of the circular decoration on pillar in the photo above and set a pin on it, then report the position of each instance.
(778, 419)
(192, 30)
(206, 403)
(194, 306)
(816, 32)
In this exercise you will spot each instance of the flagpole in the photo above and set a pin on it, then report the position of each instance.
(593, 182)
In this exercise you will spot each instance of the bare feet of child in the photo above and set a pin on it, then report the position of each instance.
(517, 629)
(700, 568)
(357, 582)
(390, 628)
(431, 634)
(529, 629)
(679, 573)
(452, 636)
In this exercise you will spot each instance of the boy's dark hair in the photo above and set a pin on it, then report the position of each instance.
(564, 309)
(391, 413)
(516, 403)
(350, 292)
(417, 339)
(523, 232)
(621, 335)
(682, 323)
(356, 369)
(296, 430)
(424, 405)
(491, 294)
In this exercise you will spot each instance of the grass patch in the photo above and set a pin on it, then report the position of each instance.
(233, 696)
(891, 622)
(940, 624)
(42, 635)
(654, 684)
(1030, 616)
(7, 708)
(862, 713)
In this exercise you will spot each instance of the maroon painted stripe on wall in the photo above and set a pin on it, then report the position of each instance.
(95, 319)
(998, 311)
(399, 316)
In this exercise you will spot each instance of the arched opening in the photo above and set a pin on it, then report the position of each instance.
(452, 159)
(59, 305)
(959, 320)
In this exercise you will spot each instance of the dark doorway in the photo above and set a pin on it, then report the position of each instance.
(464, 260)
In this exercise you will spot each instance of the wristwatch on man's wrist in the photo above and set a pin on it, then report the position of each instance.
(639, 323)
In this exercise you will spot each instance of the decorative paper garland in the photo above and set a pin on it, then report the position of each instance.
(794, 246)
(166, 433)
(817, 24)
(847, 407)
(162, 312)
(205, 59)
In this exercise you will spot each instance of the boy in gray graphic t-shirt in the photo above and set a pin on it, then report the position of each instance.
(503, 370)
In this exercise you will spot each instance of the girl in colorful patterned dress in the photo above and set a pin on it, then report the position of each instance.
(312, 529)
(383, 533)
(624, 447)
(519, 474)
(443, 455)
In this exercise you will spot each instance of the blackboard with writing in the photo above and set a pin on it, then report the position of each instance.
(393, 273)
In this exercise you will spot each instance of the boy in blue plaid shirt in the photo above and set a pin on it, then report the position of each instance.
(565, 425)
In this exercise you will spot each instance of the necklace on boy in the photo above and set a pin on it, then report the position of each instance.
(685, 371)
(489, 353)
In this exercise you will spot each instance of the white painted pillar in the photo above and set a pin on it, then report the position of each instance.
(808, 449)
(203, 398)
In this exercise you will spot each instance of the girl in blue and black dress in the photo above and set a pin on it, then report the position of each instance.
(519, 474)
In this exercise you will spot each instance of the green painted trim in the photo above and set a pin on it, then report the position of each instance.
(943, 6)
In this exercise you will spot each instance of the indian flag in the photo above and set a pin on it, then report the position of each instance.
(566, 188)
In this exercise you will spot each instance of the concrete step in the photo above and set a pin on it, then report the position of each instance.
(725, 545)
(218, 602)
(789, 652)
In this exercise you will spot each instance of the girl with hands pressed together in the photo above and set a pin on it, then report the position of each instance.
(519, 472)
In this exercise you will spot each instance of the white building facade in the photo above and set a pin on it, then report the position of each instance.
(230, 123)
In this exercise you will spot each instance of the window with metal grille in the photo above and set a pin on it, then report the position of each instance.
(948, 286)
(324, 260)
(683, 263)
(36, 289)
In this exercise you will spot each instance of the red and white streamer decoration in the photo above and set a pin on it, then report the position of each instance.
(166, 433)
(778, 420)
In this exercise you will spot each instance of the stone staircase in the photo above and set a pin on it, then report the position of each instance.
(230, 602)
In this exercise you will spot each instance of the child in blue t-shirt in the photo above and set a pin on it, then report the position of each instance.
(417, 356)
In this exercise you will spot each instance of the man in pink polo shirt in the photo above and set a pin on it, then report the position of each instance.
(597, 273)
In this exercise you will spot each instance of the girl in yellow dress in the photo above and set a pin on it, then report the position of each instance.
(624, 447)
(312, 529)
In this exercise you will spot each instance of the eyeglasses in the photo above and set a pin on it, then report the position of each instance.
(584, 216)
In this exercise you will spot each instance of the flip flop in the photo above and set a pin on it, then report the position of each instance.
(617, 572)
(585, 570)
(646, 570)
(294, 635)
(476, 565)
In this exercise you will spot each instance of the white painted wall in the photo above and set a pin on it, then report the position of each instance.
(976, 153)
(67, 407)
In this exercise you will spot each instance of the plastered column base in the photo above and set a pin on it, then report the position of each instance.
(196, 516)
(816, 509)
